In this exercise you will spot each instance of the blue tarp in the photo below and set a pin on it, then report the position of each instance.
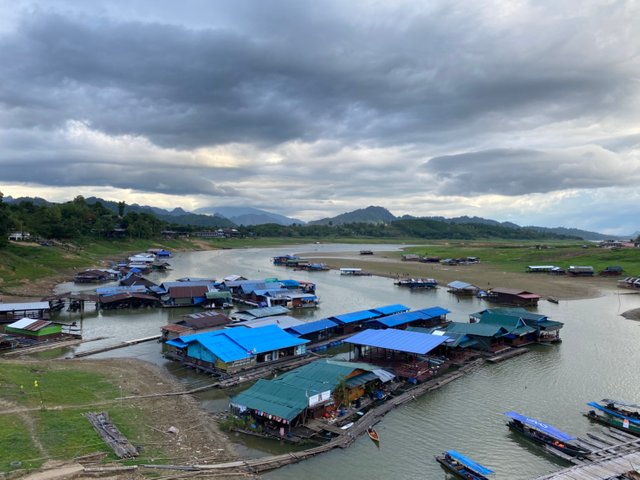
(390, 309)
(470, 464)
(312, 327)
(613, 413)
(399, 340)
(540, 426)
(355, 316)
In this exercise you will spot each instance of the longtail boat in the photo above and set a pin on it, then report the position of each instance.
(617, 414)
(417, 283)
(463, 467)
(545, 434)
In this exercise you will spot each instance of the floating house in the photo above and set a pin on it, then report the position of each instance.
(184, 296)
(95, 276)
(426, 317)
(254, 313)
(486, 337)
(236, 349)
(412, 355)
(316, 331)
(354, 272)
(10, 312)
(611, 271)
(193, 323)
(540, 268)
(351, 322)
(462, 289)
(313, 391)
(127, 299)
(511, 296)
(580, 271)
(283, 321)
(546, 330)
(34, 329)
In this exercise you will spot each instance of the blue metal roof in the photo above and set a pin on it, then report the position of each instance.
(355, 316)
(312, 327)
(290, 283)
(540, 426)
(470, 464)
(457, 284)
(400, 340)
(238, 343)
(390, 309)
(413, 316)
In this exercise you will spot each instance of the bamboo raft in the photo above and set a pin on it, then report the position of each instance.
(111, 435)
(369, 419)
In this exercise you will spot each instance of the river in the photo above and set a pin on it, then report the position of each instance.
(598, 358)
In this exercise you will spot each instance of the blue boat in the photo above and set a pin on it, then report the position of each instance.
(463, 467)
(545, 434)
(621, 415)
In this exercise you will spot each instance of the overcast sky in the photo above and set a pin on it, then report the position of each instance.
(512, 110)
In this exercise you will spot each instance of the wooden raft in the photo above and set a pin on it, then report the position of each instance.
(111, 435)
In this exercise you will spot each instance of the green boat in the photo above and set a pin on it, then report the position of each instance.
(620, 415)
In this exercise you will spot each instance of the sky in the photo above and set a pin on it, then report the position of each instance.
(521, 111)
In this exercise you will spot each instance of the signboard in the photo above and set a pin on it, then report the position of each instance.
(319, 398)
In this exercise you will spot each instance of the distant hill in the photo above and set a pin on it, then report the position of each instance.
(250, 215)
(363, 215)
(584, 234)
(177, 215)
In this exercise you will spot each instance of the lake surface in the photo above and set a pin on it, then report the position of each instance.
(598, 358)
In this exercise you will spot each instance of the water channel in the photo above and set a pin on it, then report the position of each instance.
(598, 358)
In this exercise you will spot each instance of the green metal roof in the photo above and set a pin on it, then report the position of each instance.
(273, 398)
(477, 329)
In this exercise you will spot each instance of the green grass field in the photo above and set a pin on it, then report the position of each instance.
(515, 257)
(54, 426)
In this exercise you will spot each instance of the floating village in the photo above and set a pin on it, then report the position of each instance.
(244, 332)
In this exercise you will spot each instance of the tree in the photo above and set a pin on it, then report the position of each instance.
(121, 207)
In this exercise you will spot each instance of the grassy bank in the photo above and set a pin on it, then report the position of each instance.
(515, 257)
(44, 421)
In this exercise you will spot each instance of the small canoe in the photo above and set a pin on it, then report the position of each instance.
(373, 435)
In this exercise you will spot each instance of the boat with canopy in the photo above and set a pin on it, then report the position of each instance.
(463, 467)
(617, 414)
(545, 434)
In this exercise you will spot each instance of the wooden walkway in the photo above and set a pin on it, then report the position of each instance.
(344, 440)
(613, 453)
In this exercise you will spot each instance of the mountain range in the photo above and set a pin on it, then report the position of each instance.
(226, 217)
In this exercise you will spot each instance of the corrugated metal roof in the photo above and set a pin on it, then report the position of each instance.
(238, 343)
(477, 329)
(399, 340)
(273, 398)
(413, 316)
(312, 327)
(30, 324)
(390, 309)
(355, 316)
(188, 292)
(262, 312)
(118, 297)
(21, 307)
(173, 327)
(282, 321)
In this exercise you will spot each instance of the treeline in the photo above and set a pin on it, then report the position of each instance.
(78, 219)
(73, 220)
(405, 228)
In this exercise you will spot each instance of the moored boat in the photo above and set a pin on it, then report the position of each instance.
(463, 467)
(618, 414)
(373, 435)
(417, 283)
(545, 434)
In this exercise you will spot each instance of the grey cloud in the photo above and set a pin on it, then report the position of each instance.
(317, 74)
(520, 172)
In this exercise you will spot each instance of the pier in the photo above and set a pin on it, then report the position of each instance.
(613, 453)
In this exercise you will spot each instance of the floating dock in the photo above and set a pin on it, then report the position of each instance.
(613, 453)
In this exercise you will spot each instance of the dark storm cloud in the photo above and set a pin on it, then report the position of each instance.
(299, 74)
(520, 172)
